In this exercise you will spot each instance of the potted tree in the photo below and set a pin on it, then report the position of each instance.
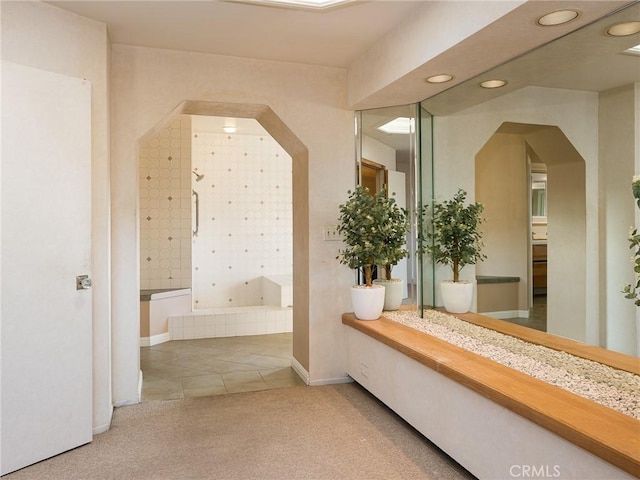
(455, 240)
(394, 228)
(359, 224)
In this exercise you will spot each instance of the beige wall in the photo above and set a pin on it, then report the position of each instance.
(618, 136)
(501, 177)
(567, 259)
(148, 84)
(44, 37)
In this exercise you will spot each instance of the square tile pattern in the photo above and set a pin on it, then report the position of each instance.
(245, 214)
(231, 322)
(246, 217)
(217, 366)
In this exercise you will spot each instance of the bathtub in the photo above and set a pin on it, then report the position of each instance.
(156, 307)
(231, 322)
(168, 315)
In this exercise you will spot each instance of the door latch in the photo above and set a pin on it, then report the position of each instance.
(83, 282)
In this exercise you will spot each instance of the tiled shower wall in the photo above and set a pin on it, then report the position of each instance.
(246, 219)
(164, 163)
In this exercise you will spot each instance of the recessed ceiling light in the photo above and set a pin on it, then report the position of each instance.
(624, 29)
(400, 125)
(493, 83)
(443, 77)
(558, 18)
(229, 129)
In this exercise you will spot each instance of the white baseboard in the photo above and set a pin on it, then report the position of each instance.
(304, 375)
(331, 381)
(507, 314)
(300, 370)
(101, 428)
(155, 339)
(124, 403)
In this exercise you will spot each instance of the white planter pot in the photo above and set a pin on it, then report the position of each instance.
(367, 301)
(393, 290)
(457, 296)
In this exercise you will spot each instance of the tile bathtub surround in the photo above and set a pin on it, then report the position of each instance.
(165, 207)
(190, 368)
(246, 217)
(231, 322)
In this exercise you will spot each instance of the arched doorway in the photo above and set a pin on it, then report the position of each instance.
(503, 185)
(299, 157)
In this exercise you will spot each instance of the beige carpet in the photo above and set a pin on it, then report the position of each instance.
(324, 433)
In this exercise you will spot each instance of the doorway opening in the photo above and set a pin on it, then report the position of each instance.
(191, 187)
(532, 251)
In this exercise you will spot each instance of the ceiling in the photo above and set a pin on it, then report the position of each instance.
(586, 59)
(333, 37)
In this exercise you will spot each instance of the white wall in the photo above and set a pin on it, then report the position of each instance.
(501, 177)
(147, 84)
(378, 152)
(44, 37)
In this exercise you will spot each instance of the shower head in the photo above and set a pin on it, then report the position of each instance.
(198, 176)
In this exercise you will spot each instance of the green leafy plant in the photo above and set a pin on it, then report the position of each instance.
(452, 233)
(394, 225)
(361, 224)
(632, 291)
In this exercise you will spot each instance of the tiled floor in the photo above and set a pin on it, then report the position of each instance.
(537, 317)
(215, 366)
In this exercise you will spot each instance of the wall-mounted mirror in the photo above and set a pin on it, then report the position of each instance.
(571, 106)
(538, 198)
(390, 141)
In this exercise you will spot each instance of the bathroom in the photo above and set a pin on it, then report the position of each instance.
(215, 231)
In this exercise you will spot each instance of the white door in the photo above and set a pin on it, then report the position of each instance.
(46, 242)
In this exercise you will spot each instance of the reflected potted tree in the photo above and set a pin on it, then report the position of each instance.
(454, 239)
(394, 225)
(359, 224)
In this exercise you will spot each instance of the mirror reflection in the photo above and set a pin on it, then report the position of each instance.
(570, 107)
(551, 155)
(386, 161)
(538, 198)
